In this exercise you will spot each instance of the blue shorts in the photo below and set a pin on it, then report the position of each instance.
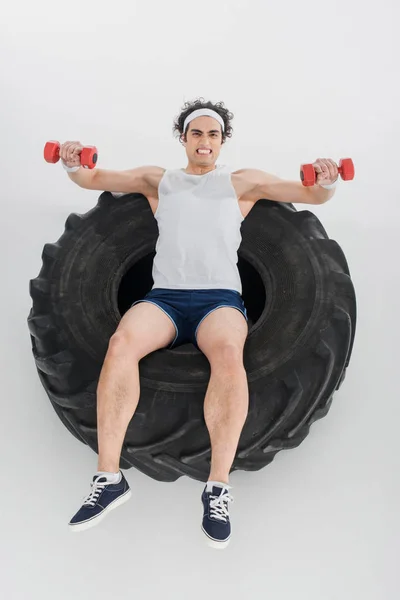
(188, 308)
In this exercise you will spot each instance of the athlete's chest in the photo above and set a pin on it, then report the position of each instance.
(240, 187)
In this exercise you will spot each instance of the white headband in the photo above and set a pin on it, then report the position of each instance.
(204, 112)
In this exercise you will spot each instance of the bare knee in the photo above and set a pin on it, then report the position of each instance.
(120, 344)
(226, 357)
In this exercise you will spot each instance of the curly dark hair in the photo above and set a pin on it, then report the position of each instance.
(189, 107)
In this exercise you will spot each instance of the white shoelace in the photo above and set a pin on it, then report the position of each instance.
(219, 506)
(97, 487)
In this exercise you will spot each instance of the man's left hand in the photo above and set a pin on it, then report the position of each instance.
(326, 170)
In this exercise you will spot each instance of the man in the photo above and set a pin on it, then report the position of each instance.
(196, 297)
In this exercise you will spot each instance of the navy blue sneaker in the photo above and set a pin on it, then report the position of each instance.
(216, 524)
(103, 498)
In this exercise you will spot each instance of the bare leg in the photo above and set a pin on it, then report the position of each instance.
(142, 330)
(117, 399)
(226, 407)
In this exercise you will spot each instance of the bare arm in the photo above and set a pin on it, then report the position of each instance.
(137, 180)
(83, 177)
(259, 184)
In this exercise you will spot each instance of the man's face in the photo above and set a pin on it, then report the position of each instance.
(203, 132)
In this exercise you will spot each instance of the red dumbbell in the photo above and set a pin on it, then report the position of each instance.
(308, 175)
(88, 155)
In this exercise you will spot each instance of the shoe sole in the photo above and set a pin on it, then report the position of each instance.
(215, 543)
(96, 520)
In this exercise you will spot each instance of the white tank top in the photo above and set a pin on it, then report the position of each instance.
(199, 223)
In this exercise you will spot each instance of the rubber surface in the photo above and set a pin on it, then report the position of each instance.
(301, 307)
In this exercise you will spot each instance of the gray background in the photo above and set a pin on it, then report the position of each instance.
(304, 80)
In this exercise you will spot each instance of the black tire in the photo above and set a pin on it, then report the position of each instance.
(302, 315)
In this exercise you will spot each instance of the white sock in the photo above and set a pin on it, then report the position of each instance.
(217, 483)
(111, 477)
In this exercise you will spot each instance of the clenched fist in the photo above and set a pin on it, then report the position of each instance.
(70, 153)
(326, 170)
